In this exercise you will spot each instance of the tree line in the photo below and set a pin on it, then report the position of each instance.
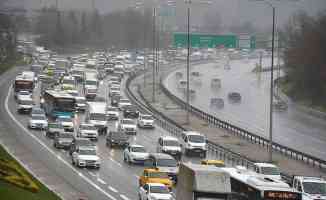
(304, 58)
(122, 29)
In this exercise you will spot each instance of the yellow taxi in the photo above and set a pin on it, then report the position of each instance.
(152, 175)
(217, 163)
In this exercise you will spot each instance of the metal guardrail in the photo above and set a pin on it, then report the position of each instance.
(292, 153)
(175, 129)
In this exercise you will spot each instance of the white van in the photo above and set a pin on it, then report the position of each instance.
(96, 114)
(194, 143)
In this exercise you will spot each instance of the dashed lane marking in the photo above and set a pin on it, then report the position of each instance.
(89, 181)
(101, 181)
(124, 197)
(116, 162)
(113, 189)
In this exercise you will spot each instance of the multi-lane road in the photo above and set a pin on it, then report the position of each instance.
(292, 128)
(114, 180)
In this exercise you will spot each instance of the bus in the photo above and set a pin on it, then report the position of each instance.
(25, 81)
(254, 186)
(58, 103)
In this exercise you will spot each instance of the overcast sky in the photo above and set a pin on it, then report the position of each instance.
(231, 11)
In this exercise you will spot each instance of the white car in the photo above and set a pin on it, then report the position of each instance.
(86, 157)
(169, 145)
(127, 126)
(145, 121)
(112, 113)
(81, 103)
(66, 122)
(38, 122)
(135, 154)
(25, 104)
(124, 102)
(88, 131)
(154, 191)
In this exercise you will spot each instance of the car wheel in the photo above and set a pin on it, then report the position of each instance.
(129, 160)
(139, 197)
(124, 158)
(73, 162)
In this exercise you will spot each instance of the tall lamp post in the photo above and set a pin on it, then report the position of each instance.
(270, 146)
(188, 62)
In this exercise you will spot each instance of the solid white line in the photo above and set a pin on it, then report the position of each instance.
(124, 197)
(50, 150)
(113, 189)
(92, 174)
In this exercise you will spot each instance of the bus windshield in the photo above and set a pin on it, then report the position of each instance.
(23, 85)
(65, 104)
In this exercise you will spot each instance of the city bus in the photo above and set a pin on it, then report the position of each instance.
(58, 103)
(254, 186)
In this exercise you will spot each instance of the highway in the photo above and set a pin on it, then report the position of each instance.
(114, 180)
(292, 128)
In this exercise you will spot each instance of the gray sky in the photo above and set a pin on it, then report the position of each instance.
(231, 11)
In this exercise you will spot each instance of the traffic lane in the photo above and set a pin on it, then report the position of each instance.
(252, 93)
(36, 142)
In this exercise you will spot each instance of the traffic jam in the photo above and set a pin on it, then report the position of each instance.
(77, 102)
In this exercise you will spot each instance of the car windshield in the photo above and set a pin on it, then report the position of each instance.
(145, 117)
(37, 111)
(38, 117)
(91, 82)
(64, 119)
(173, 143)
(80, 100)
(66, 135)
(166, 163)
(68, 81)
(159, 189)
(112, 109)
(270, 171)
(128, 121)
(196, 139)
(98, 116)
(87, 151)
(314, 188)
(26, 102)
(158, 175)
(138, 149)
(124, 101)
(54, 125)
(87, 127)
(84, 143)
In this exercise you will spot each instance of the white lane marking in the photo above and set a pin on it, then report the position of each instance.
(101, 181)
(113, 189)
(116, 162)
(89, 181)
(92, 174)
(124, 197)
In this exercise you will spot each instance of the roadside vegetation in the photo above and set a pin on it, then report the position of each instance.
(17, 183)
(305, 60)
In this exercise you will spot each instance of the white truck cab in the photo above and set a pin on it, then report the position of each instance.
(268, 170)
(312, 188)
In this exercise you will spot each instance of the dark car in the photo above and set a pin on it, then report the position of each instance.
(63, 140)
(53, 129)
(115, 100)
(117, 138)
(234, 96)
(130, 111)
(77, 142)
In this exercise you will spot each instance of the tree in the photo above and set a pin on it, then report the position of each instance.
(305, 39)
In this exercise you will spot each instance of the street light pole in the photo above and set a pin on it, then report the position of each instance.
(188, 62)
(154, 55)
(271, 95)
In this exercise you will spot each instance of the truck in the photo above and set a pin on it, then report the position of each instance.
(23, 82)
(197, 182)
(311, 187)
(90, 84)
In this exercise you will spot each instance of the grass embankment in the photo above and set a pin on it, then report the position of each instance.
(15, 182)
(286, 88)
(34, 190)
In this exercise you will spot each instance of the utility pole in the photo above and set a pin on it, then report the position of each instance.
(188, 63)
(154, 55)
(271, 95)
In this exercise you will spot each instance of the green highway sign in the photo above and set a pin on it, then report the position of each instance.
(213, 41)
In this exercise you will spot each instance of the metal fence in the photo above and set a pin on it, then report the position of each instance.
(175, 129)
(292, 153)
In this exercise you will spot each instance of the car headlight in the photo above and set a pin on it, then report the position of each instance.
(81, 161)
